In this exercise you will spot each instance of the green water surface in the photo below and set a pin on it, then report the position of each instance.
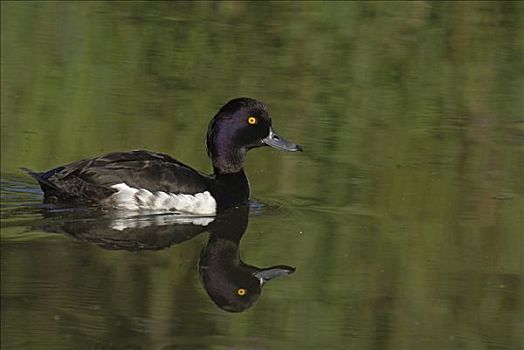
(403, 216)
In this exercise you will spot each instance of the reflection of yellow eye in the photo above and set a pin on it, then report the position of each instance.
(241, 291)
(252, 120)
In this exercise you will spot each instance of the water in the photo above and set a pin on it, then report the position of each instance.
(403, 217)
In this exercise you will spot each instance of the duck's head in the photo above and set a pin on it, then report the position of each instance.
(239, 125)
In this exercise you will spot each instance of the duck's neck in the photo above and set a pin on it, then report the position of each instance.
(228, 159)
(232, 188)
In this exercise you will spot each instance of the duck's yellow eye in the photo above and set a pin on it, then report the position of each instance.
(241, 291)
(252, 121)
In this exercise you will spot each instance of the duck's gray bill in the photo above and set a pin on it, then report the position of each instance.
(268, 274)
(275, 141)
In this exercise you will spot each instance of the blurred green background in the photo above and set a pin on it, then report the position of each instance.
(404, 215)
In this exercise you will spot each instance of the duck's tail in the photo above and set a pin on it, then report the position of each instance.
(42, 178)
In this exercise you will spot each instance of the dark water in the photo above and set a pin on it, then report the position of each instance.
(403, 217)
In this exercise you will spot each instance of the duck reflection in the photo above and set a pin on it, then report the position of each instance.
(122, 231)
(233, 285)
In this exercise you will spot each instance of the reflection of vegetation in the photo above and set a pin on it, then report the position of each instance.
(410, 109)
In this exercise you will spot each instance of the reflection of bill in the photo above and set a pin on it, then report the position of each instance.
(231, 284)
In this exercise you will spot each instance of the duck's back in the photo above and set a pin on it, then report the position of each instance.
(91, 180)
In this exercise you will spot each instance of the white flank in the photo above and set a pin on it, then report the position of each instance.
(130, 198)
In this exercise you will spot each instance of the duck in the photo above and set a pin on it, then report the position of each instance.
(144, 180)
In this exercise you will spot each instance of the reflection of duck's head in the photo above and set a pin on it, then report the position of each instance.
(233, 285)
(231, 288)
